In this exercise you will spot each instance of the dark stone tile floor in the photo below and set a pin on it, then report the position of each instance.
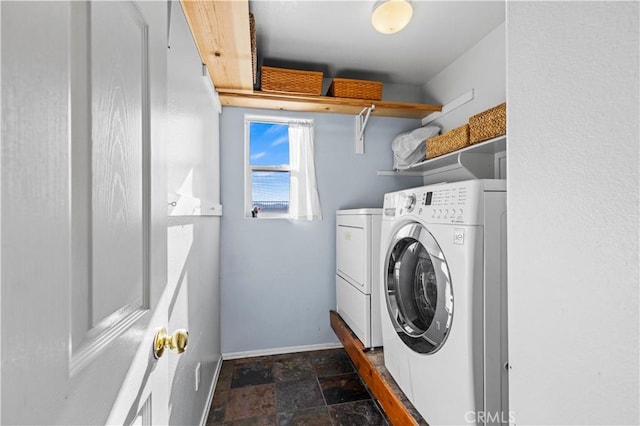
(319, 388)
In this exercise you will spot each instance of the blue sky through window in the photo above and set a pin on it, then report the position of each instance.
(269, 144)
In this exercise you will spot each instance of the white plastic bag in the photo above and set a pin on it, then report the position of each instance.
(410, 148)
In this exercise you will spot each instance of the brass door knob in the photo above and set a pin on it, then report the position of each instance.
(176, 342)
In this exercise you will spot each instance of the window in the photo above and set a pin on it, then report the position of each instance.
(269, 174)
(280, 173)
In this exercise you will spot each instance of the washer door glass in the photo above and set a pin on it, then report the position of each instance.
(418, 289)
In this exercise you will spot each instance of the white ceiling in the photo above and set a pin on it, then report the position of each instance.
(337, 37)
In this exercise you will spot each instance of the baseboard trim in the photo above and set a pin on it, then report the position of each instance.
(280, 351)
(212, 388)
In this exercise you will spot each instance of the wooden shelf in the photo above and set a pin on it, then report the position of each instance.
(221, 32)
(472, 162)
(395, 409)
(308, 103)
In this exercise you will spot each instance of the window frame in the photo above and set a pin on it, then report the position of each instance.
(249, 169)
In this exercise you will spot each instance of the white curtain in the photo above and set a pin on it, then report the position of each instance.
(304, 203)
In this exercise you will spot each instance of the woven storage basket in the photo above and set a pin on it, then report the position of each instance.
(453, 140)
(359, 89)
(488, 124)
(254, 59)
(282, 80)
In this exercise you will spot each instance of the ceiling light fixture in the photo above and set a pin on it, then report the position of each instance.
(390, 16)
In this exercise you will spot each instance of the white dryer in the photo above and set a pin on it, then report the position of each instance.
(444, 300)
(357, 266)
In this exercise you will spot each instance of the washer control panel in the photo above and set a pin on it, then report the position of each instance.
(446, 203)
(443, 203)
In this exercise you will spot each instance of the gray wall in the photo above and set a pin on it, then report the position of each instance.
(193, 242)
(482, 68)
(278, 277)
(573, 96)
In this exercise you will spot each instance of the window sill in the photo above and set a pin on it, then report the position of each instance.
(262, 217)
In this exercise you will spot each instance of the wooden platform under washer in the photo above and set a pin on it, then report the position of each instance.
(370, 365)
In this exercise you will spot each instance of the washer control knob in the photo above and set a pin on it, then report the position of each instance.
(410, 202)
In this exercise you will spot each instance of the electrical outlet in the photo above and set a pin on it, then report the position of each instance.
(197, 372)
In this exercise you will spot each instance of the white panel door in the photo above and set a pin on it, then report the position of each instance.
(83, 212)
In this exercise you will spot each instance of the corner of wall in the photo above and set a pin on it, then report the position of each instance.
(482, 69)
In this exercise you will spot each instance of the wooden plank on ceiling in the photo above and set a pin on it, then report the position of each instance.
(220, 29)
(289, 102)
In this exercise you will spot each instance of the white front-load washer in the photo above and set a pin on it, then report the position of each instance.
(444, 300)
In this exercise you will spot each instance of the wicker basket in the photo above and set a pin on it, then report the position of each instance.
(453, 140)
(254, 59)
(282, 80)
(488, 124)
(359, 89)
